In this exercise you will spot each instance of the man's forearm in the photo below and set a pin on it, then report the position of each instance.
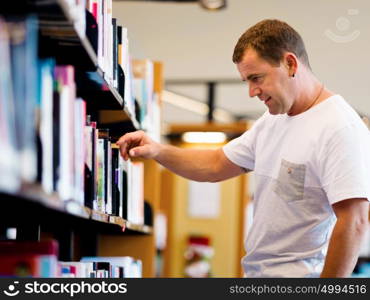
(344, 247)
(194, 164)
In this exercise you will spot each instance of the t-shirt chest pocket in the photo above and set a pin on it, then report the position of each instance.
(290, 182)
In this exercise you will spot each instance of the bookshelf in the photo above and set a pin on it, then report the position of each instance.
(40, 215)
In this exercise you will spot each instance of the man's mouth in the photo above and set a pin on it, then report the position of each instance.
(267, 100)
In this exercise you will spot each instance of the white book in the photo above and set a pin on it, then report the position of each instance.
(122, 168)
(132, 268)
(100, 21)
(46, 125)
(109, 178)
(83, 269)
(136, 198)
(80, 150)
(130, 189)
(109, 32)
(65, 184)
(101, 178)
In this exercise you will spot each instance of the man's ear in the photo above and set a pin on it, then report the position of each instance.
(291, 63)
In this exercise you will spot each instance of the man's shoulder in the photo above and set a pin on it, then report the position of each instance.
(338, 116)
(335, 110)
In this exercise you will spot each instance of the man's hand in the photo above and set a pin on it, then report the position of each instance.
(137, 144)
(196, 164)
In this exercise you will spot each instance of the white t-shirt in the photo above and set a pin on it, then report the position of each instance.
(302, 165)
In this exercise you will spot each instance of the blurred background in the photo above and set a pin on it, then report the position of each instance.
(196, 46)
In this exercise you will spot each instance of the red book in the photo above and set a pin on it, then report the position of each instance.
(49, 247)
(20, 265)
(28, 259)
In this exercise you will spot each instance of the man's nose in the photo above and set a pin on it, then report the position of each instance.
(254, 91)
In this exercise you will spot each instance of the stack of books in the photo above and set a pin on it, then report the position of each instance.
(40, 259)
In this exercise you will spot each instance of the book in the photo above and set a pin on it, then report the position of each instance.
(79, 150)
(101, 178)
(23, 33)
(46, 69)
(115, 52)
(136, 193)
(64, 75)
(128, 267)
(76, 269)
(115, 182)
(9, 168)
(90, 164)
(143, 71)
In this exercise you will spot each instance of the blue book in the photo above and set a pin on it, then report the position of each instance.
(9, 168)
(23, 48)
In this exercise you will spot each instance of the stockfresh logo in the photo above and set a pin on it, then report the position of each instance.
(343, 32)
(12, 291)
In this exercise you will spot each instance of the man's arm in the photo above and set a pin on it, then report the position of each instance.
(196, 164)
(348, 234)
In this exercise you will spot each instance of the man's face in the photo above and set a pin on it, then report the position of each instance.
(270, 83)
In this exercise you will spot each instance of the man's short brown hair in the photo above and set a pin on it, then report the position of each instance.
(270, 39)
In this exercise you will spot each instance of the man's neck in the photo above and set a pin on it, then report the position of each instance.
(311, 93)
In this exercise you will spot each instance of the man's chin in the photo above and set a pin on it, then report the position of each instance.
(273, 112)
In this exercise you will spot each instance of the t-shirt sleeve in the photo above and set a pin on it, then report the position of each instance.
(345, 164)
(241, 151)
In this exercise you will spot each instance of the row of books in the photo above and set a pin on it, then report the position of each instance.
(134, 79)
(40, 259)
(46, 137)
(42, 122)
(108, 36)
(92, 19)
(112, 49)
(113, 186)
(103, 267)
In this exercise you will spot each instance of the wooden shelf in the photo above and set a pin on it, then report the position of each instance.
(35, 199)
(117, 220)
(34, 194)
(139, 228)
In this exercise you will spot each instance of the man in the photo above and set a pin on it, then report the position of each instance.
(310, 155)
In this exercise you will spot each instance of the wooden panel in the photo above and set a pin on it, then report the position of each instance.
(112, 116)
(138, 246)
(167, 186)
(158, 77)
(224, 231)
(152, 179)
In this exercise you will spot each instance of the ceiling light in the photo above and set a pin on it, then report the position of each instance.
(204, 137)
(213, 4)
